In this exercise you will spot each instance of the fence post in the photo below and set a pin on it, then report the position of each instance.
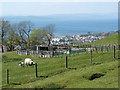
(90, 56)
(36, 73)
(118, 51)
(7, 76)
(107, 48)
(96, 49)
(114, 52)
(66, 63)
(102, 49)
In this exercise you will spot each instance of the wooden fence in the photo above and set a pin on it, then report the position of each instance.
(36, 53)
(40, 53)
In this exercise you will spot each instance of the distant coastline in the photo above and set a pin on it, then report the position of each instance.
(71, 25)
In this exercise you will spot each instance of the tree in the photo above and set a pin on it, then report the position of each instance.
(62, 40)
(49, 33)
(24, 30)
(12, 38)
(37, 37)
(4, 27)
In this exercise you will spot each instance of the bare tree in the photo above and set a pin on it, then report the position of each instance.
(4, 27)
(49, 33)
(12, 37)
(24, 29)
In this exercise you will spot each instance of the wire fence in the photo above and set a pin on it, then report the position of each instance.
(67, 58)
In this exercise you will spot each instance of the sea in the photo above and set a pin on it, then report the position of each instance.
(70, 25)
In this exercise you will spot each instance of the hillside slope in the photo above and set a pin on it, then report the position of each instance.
(102, 73)
(59, 76)
(113, 39)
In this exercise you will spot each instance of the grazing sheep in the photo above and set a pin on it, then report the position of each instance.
(21, 64)
(29, 62)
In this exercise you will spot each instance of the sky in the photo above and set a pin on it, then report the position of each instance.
(105, 8)
(52, 8)
(59, 0)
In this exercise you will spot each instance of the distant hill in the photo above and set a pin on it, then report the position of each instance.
(71, 24)
(110, 16)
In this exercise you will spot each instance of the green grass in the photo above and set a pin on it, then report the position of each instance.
(113, 39)
(58, 76)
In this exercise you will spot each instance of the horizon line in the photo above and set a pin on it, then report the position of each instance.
(113, 13)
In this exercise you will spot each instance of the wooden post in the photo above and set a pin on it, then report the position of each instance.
(102, 49)
(114, 52)
(118, 51)
(66, 63)
(90, 56)
(36, 73)
(7, 76)
(96, 49)
(107, 48)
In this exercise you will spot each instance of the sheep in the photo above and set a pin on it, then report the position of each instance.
(21, 64)
(29, 62)
(33, 63)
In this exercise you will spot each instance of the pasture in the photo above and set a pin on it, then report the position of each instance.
(58, 76)
(102, 73)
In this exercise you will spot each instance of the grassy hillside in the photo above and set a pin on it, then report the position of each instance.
(58, 75)
(104, 67)
(113, 39)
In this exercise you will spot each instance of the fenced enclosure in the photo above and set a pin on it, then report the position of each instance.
(36, 53)
(46, 53)
(42, 53)
(56, 65)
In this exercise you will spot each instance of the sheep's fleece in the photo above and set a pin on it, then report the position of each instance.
(28, 61)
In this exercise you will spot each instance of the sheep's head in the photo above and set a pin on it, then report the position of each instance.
(34, 63)
(21, 64)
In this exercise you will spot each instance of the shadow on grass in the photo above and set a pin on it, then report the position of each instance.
(43, 76)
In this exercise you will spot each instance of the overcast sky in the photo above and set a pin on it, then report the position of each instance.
(51, 8)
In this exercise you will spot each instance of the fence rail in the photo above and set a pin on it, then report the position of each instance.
(36, 53)
(40, 53)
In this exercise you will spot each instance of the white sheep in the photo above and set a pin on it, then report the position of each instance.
(29, 62)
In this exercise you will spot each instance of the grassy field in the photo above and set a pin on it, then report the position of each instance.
(113, 39)
(104, 65)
